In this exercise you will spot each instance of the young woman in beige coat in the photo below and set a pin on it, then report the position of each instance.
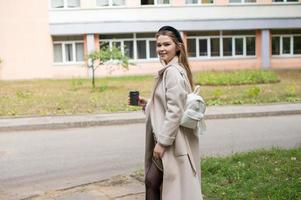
(172, 170)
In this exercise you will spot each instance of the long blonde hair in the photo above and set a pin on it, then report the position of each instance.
(181, 53)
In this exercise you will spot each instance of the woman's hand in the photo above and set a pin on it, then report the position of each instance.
(159, 151)
(142, 101)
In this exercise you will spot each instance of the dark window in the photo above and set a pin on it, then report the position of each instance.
(129, 49)
(251, 46)
(152, 49)
(297, 44)
(214, 47)
(275, 45)
(203, 47)
(227, 46)
(191, 47)
(141, 49)
(239, 46)
(286, 45)
(147, 2)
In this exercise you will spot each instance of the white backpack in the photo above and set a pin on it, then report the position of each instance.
(194, 110)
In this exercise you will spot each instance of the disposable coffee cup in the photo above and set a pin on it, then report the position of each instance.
(134, 98)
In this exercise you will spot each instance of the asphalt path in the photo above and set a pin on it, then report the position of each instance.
(32, 162)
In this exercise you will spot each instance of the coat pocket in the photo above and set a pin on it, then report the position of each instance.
(180, 144)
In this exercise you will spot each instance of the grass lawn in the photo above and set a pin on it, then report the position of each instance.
(264, 174)
(75, 96)
(273, 174)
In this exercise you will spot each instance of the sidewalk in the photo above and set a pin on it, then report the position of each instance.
(130, 187)
(72, 121)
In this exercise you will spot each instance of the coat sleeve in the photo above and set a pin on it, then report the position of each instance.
(175, 95)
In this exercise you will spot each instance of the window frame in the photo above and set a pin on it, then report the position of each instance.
(190, 4)
(221, 53)
(281, 36)
(156, 4)
(65, 5)
(285, 2)
(243, 2)
(110, 5)
(63, 44)
(134, 40)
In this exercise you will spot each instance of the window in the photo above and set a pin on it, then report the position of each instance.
(116, 44)
(138, 46)
(239, 46)
(102, 2)
(154, 2)
(152, 49)
(284, 1)
(118, 2)
(73, 3)
(286, 45)
(227, 46)
(57, 4)
(191, 47)
(207, 1)
(191, 1)
(224, 45)
(65, 3)
(214, 44)
(79, 52)
(129, 49)
(242, 1)
(57, 53)
(104, 44)
(251, 43)
(141, 49)
(146, 48)
(297, 44)
(126, 46)
(275, 45)
(68, 52)
(203, 47)
(110, 2)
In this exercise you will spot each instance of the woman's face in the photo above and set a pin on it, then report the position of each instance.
(166, 48)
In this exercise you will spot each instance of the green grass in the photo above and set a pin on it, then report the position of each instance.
(264, 174)
(270, 174)
(238, 77)
(75, 96)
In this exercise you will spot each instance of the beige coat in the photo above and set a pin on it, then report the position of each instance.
(181, 177)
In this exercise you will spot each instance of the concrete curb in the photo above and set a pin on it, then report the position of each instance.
(77, 121)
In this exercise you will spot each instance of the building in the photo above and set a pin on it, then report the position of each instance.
(51, 38)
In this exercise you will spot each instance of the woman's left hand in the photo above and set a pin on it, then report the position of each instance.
(159, 151)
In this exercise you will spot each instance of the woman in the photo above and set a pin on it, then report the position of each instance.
(172, 152)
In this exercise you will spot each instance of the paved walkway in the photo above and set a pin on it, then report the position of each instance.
(212, 112)
(129, 187)
(126, 187)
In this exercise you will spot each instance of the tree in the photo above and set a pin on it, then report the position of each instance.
(106, 56)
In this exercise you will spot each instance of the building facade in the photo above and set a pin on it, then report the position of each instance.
(52, 38)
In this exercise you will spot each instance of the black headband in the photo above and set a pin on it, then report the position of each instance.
(173, 30)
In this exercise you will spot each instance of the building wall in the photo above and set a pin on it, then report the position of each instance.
(25, 42)
(28, 27)
(286, 63)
